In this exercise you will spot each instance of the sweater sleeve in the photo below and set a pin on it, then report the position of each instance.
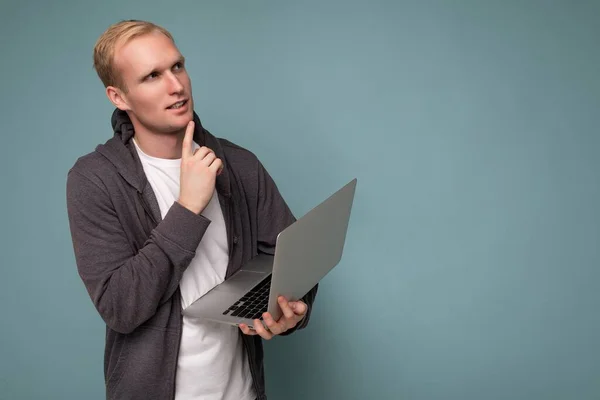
(127, 287)
(274, 216)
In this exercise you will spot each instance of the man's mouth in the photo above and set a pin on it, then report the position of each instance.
(177, 105)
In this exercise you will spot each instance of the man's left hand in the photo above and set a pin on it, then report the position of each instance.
(293, 312)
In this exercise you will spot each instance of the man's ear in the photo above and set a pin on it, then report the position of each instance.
(116, 96)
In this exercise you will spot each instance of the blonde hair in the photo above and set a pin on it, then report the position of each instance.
(117, 34)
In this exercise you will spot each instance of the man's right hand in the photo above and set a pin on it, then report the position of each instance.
(199, 170)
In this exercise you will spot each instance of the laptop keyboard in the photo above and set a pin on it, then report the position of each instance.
(254, 303)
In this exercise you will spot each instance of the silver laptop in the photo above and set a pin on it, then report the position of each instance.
(304, 253)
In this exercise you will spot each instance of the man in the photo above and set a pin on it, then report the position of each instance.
(161, 213)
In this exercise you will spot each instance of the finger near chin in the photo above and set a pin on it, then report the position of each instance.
(217, 166)
(187, 139)
(202, 152)
(189, 130)
(209, 159)
(217, 163)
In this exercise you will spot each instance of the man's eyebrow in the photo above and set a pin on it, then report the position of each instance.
(180, 59)
(146, 74)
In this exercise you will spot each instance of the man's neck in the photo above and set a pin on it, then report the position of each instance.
(166, 145)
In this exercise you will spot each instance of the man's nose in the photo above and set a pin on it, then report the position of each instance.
(175, 85)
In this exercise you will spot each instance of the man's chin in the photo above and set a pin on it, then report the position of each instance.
(183, 118)
(179, 123)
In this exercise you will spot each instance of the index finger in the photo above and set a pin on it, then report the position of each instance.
(186, 148)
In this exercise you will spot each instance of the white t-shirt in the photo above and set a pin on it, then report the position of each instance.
(212, 364)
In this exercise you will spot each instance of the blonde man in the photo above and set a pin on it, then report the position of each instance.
(161, 213)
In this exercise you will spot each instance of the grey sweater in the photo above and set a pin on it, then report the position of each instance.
(131, 260)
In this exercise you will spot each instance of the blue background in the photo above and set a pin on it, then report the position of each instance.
(471, 268)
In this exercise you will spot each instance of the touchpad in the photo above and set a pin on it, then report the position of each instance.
(241, 282)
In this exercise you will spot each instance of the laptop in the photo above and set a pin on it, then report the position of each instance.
(304, 253)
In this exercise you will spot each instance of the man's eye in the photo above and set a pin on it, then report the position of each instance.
(152, 75)
(177, 66)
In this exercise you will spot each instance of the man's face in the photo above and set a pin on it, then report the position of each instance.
(153, 71)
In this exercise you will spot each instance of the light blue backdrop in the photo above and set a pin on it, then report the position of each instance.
(472, 262)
